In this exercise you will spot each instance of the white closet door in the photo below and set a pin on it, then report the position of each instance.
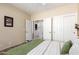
(64, 27)
(28, 30)
(47, 29)
(57, 28)
(69, 27)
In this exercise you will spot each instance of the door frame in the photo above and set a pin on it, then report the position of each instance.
(52, 29)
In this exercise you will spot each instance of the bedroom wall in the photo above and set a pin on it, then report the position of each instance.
(11, 36)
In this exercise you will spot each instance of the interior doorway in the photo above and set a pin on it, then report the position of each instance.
(38, 29)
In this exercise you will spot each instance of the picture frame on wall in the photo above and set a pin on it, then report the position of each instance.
(8, 21)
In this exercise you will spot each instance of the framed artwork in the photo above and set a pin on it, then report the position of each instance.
(8, 21)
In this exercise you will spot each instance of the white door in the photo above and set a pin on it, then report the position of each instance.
(47, 28)
(64, 27)
(57, 28)
(28, 30)
(69, 27)
(40, 27)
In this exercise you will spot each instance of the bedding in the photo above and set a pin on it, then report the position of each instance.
(75, 48)
(66, 47)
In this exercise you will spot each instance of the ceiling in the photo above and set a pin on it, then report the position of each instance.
(32, 8)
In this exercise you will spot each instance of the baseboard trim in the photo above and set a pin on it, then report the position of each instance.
(4, 50)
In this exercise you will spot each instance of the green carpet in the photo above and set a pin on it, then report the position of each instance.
(25, 48)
